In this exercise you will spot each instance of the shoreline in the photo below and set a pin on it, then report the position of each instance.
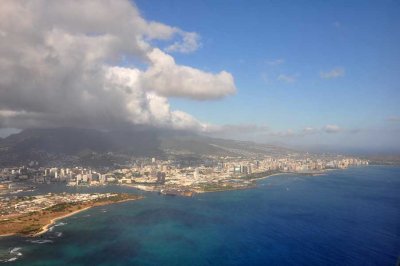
(195, 191)
(152, 189)
(242, 188)
(264, 177)
(54, 220)
(297, 173)
(45, 228)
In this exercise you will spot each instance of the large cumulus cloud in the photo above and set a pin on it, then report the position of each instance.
(64, 63)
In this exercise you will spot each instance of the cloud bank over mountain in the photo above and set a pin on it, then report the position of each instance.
(94, 63)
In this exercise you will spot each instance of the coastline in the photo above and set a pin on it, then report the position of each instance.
(186, 192)
(48, 225)
(241, 188)
(54, 220)
(297, 173)
(5, 235)
(196, 191)
(222, 188)
(264, 177)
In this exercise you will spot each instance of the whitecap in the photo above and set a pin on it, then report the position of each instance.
(41, 241)
(12, 259)
(12, 251)
(60, 224)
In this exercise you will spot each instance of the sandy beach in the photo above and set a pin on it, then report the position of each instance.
(53, 221)
(25, 224)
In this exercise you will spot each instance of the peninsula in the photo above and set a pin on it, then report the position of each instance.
(33, 215)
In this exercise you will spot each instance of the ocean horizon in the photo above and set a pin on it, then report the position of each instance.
(344, 217)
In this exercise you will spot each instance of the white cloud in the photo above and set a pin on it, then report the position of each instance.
(190, 42)
(328, 129)
(236, 128)
(167, 78)
(332, 129)
(309, 130)
(287, 78)
(334, 73)
(60, 67)
(276, 62)
(262, 133)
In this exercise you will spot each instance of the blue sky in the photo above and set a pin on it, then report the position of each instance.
(296, 64)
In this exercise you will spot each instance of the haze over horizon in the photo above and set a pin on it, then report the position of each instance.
(308, 75)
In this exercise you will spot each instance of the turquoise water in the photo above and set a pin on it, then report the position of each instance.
(349, 217)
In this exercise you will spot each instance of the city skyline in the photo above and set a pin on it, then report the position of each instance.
(318, 76)
(200, 132)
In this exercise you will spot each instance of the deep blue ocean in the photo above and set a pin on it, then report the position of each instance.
(346, 217)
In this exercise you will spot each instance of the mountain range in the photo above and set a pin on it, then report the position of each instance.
(61, 143)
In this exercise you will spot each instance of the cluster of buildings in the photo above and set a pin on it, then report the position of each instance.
(152, 172)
